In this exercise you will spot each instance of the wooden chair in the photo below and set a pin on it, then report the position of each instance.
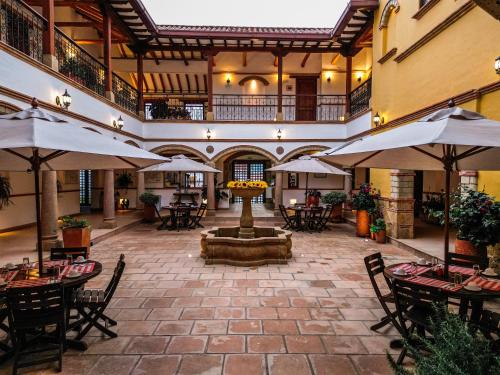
(91, 304)
(374, 266)
(290, 220)
(466, 260)
(415, 305)
(195, 219)
(312, 217)
(489, 325)
(61, 253)
(164, 220)
(31, 309)
(4, 314)
(320, 224)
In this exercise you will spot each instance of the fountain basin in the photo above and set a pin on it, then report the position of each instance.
(224, 246)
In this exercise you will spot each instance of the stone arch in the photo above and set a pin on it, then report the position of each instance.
(7, 108)
(392, 5)
(248, 148)
(92, 129)
(180, 148)
(300, 150)
(132, 143)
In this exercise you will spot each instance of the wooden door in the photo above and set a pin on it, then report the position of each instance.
(305, 100)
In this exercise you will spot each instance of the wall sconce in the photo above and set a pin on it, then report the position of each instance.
(118, 124)
(279, 134)
(497, 65)
(377, 120)
(228, 80)
(64, 101)
(328, 76)
(208, 134)
(359, 76)
(293, 202)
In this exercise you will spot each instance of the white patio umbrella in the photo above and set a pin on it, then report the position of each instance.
(306, 164)
(180, 163)
(448, 139)
(32, 140)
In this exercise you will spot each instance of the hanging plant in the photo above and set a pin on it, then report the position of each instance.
(5, 192)
(124, 180)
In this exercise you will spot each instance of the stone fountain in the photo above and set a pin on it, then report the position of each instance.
(246, 245)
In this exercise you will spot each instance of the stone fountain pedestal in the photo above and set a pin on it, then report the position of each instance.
(246, 245)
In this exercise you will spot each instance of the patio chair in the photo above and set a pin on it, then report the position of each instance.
(91, 304)
(415, 305)
(31, 309)
(489, 325)
(164, 220)
(466, 260)
(374, 266)
(61, 253)
(312, 217)
(290, 220)
(195, 219)
(322, 220)
(4, 314)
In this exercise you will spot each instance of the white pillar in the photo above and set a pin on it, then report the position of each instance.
(140, 190)
(109, 219)
(49, 210)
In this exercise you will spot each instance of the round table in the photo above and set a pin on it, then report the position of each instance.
(476, 298)
(307, 211)
(68, 284)
(178, 213)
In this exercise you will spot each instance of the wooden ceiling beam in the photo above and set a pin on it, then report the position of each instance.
(335, 58)
(178, 77)
(205, 82)
(304, 60)
(152, 75)
(196, 83)
(170, 82)
(183, 55)
(188, 82)
(162, 82)
(244, 56)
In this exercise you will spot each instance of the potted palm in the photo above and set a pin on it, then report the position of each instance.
(336, 199)
(363, 202)
(5, 192)
(75, 232)
(150, 201)
(476, 216)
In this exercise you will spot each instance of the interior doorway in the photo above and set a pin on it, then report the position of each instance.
(418, 192)
(306, 98)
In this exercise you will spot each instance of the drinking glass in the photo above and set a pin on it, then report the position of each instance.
(26, 262)
(476, 269)
(69, 258)
(457, 278)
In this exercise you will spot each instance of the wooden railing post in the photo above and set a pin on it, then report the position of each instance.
(348, 87)
(108, 79)
(49, 49)
(210, 84)
(279, 114)
(140, 82)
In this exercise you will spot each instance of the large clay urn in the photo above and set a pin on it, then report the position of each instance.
(362, 223)
(246, 219)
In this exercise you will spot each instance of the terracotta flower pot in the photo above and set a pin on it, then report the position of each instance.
(380, 236)
(362, 223)
(337, 213)
(466, 247)
(149, 213)
(77, 237)
(372, 235)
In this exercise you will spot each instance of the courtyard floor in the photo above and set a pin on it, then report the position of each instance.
(178, 316)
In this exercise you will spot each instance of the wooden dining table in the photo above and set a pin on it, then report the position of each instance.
(23, 276)
(302, 212)
(430, 277)
(180, 215)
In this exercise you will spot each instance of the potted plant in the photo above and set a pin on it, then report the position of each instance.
(313, 197)
(380, 230)
(150, 201)
(219, 194)
(363, 202)
(5, 192)
(124, 180)
(76, 232)
(336, 199)
(373, 230)
(476, 216)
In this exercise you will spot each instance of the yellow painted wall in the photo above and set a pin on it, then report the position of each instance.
(459, 59)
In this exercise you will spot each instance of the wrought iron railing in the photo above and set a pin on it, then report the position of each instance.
(78, 65)
(125, 95)
(360, 97)
(178, 108)
(265, 107)
(22, 28)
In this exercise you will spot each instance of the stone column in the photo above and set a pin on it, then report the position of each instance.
(399, 213)
(140, 189)
(468, 179)
(49, 211)
(348, 184)
(210, 194)
(109, 219)
(278, 193)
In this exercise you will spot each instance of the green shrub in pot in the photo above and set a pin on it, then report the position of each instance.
(149, 198)
(334, 198)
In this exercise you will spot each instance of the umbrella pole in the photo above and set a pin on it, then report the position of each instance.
(36, 170)
(307, 187)
(447, 218)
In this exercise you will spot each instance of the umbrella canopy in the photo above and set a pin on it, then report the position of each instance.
(180, 163)
(307, 164)
(447, 139)
(35, 140)
(422, 144)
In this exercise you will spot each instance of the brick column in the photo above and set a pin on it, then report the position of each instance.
(49, 211)
(140, 189)
(109, 219)
(278, 193)
(468, 179)
(210, 194)
(398, 209)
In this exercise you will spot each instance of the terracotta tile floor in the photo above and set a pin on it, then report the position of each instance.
(178, 316)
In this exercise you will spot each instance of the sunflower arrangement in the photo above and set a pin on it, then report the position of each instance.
(247, 184)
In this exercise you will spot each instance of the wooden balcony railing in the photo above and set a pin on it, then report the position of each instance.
(360, 97)
(177, 108)
(125, 95)
(22, 28)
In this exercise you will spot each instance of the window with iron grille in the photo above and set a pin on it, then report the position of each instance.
(248, 170)
(85, 187)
